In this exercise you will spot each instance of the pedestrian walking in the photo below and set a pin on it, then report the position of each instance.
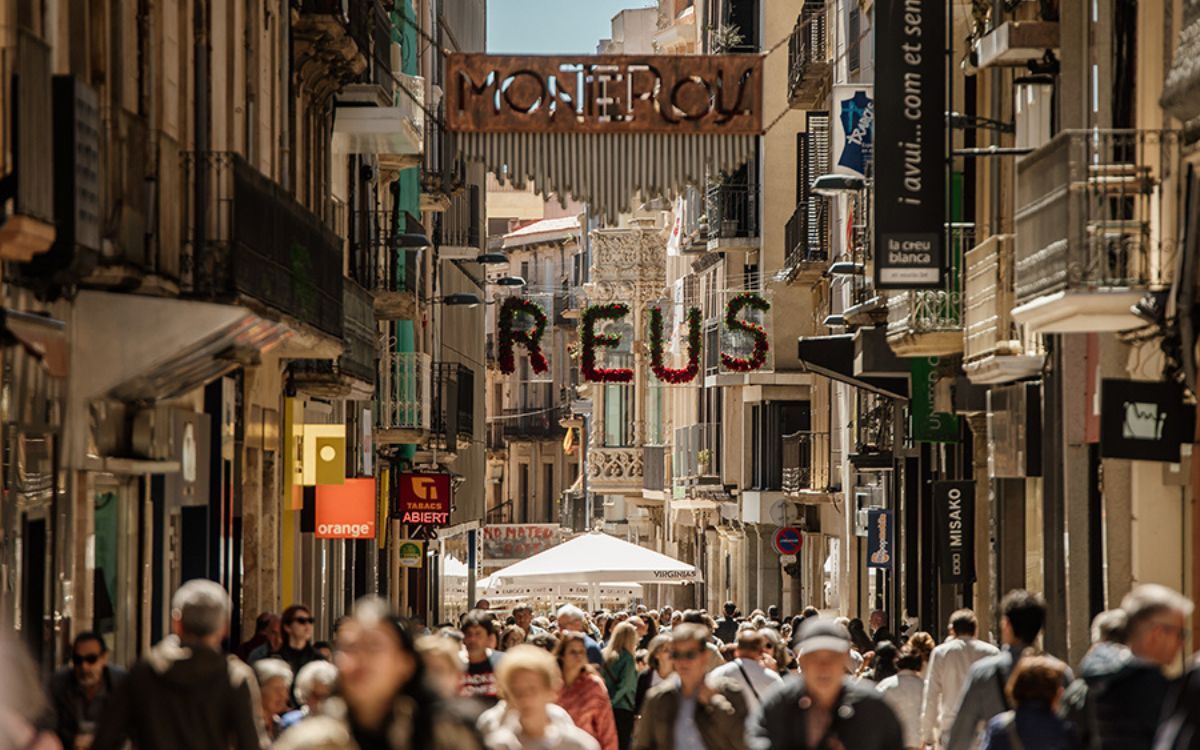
(949, 665)
(583, 694)
(879, 629)
(658, 668)
(727, 625)
(79, 693)
(523, 619)
(479, 680)
(314, 685)
(512, 635)
(691, 710)
(1034, 690)
(1119, 698)
(620, 677)
(823, 707)
(267, 631)
(904, 693)
(186, 695)
(859, 637)
(572, 619)
(527, 717)
(382, 700)
(747, 668)
(296, 646)
(983, 694)
(275, 690)
(22, 701)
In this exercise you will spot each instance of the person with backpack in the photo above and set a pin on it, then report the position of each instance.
(1034, 691)
(185, 694)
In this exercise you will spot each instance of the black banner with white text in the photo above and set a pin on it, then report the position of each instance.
(954, 527)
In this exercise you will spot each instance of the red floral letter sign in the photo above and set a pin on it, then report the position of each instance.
(734, 323)
(675, 376)
(531, 340)
(589, 340)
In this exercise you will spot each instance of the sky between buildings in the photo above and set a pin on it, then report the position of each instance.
(552, 26)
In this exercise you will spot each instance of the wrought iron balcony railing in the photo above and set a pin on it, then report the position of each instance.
(404, 391)
(732, 211)
(806, 236)
(808, 59)
(933, 311)
(806, 460)
(531, 423)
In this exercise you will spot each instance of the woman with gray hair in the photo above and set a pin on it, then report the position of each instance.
(274, 684)
(314, 683)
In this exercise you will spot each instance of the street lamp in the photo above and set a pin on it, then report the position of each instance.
(460, 299)
(491, 258)
(832, 185)
(410, 241)
(846, 268)
(511, 281)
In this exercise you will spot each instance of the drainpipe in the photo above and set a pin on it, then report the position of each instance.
(201, 146)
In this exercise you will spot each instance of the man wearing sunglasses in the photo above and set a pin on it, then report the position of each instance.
(692, 709)
(80, 691)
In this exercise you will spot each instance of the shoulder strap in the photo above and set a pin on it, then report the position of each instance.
(746, 677)
(1014, 737)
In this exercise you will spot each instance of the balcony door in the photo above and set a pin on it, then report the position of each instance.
(770, 421)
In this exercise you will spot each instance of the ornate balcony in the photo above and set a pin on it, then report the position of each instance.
(732, 209)
(1095, 228)
(404, 399)
(628, 265)
(29, 230)
(928, 322)
(808, 58)
(995, 348)
(874, 432)
(352, 375)
(806, 463)
(443, 171)
(394, 275)
(806, 241)
(615, 471)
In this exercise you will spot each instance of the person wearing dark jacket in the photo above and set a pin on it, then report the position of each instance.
(823, 707)
(658, 668)
(727, 625)
(296, 647)
(79, 693)
(186, 695)
(1034, 690)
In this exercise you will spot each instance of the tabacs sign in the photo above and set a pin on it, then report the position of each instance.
(424, 498)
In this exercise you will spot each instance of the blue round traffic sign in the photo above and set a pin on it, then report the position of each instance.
(788, 540)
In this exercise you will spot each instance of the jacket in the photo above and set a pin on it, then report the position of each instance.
(332, 730)
(71, 706)
(587, 702)
(1180, 728)
(721, 723)
(501, 730)
(727, 629)
(184, 697)
(861, 719)
(620, 677)
(949, 665)
(903, 694)
(1118, 700)
(1028, 728)
(983, 697)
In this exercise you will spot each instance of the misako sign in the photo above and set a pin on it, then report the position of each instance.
(424, 498)
(954, 517)
(910, 132)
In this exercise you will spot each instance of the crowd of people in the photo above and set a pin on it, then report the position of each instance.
(640, 678)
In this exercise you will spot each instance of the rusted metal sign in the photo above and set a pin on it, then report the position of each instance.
(715, 94)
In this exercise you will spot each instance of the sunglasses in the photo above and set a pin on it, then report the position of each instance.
(303, 620)
(78, 659)
(685, 655)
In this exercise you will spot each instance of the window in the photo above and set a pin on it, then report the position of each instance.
(853, 37)
(548, 493)
(770, 421)
(523, 492)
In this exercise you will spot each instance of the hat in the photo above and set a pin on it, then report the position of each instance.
(822, 634)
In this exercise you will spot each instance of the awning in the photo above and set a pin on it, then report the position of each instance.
(42, 336)
(597, 558)
(833, 357)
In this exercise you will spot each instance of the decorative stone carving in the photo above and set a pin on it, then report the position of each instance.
(1181, 90)
(615, 470)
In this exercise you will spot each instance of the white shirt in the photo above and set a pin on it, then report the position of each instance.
(904, 692)
(761, 679)
(948, 668)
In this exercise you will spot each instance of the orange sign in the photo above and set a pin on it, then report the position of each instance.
(425, 499)
(346, 511)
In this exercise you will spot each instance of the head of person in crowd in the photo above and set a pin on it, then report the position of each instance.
(1024, 614)
(909, 660)
(1036, 682)
(676, 618)
(639, 660)
(884, 663)
(729, 609)
(963, 624)
(750, 645)
(1110, 626)
(689, 654)
(571, 654)
(443, 664)
(1156, 622)
(337, 628)
(658, 655)
(324, 650)
(528, 680)
(822, 648)
(877, 620)
(775, 650)
(923, 644)
(773, 613)
(545, 641)
(624, 640)
(314, 684)
(483, 604)
(200, 613)
(639, 625)
(478, 628)
(513, 635)
(268, 627)
(571, 618)
(523, 617)
(451, 633)
(274, 688)
(664, 614)
(728, 651)
(89, 657)
(810, 611)
(297, 621)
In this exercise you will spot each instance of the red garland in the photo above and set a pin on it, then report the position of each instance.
(589, 339)
(672, 375)
(761, 343)
(512, 307)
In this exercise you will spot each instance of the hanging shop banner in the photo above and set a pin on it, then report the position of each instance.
(954, 514)
(346, 511)
(929, 426)
(504, 543)
(424, 498)
(604, 94)
(411, 553)
(879, 538)
(323, 457)
(854, 106)
(1144, 420)
(910, 166)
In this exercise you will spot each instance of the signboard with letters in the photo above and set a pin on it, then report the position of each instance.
(929, 426)
(853, 136)
(879, 538)
(423, 498)
(345, 511)
(910, 167)
(516, 541)
(1144, 420)
(954, 516)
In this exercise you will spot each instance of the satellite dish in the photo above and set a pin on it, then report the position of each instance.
(784, 513)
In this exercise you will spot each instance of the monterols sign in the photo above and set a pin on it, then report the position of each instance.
(954, 513)
(424, 499)
(879, 538)
(910, 163)
(604, 93)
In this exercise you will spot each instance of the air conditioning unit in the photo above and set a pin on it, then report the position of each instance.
(1015, 430)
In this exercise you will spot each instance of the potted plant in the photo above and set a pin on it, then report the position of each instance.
(704, 460)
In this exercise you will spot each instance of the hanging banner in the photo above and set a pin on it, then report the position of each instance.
(424, 498)
(929, 426)
(854, 107)
(1144, 420)
(345, 511)
(323, 457)
(910, 166)
(954, 516)
(879, 538)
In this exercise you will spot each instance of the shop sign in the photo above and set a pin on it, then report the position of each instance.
(954, 513)
(424, 498)
(879, 538)
(929, 426)
(323, 454)
(503, 542)
(1144, 420)
(854, 106)
(345, 511)
(604, 94)
(411, 553)
(910, 167)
